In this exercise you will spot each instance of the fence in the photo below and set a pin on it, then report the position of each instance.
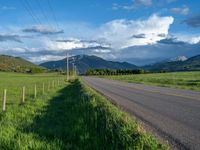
(20, 94)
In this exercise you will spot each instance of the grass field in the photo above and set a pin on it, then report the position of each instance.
(71, 116)
(14, 82)
(184, 80)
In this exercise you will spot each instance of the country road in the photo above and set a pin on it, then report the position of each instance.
(172, 113)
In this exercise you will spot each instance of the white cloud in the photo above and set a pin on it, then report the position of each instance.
(120, 32)
(73, 43)
(18, 49)
(121, 38)
(191, 39)
(44, 58)
(180, 10)
(135, 4)
(102, 51)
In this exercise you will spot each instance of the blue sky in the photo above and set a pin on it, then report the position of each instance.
(137, 31)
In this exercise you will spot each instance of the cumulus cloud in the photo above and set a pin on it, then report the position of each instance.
(118, 32)
(140, 40)
(42, 30)
(77, 44)
(44, 58)
(15, 38)
(193, 21)
(180, 10)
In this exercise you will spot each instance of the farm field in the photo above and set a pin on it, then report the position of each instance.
(69, 116)
(183, 80)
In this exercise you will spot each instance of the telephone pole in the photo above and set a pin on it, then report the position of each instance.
(67, 67)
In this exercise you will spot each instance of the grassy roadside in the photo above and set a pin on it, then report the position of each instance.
(182, 80)
(72, 117)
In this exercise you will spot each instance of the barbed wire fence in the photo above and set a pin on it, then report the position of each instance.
(20, 94)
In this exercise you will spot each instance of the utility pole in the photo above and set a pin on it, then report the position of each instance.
(67, 67)
(73, 69)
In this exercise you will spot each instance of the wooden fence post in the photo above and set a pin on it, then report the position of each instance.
(4, 99)
(43, 88)
(53, 84)
(35, 92)
(58, 83)
(23, 94)
(49, 86)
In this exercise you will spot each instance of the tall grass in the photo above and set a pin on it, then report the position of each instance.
(184, 80)
(14, 82)
(71, 117)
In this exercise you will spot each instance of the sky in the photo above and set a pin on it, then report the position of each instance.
(137, 31)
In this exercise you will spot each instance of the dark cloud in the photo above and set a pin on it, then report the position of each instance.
(66, 41)
(83, 41)
(171, 41)
(15, 38)
(193, 21)
(138, 36)
(42, 30)
(142, 55)
(162, 35)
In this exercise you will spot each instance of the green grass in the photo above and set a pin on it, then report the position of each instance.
(14, 82)
(184, 80)
(70, 117)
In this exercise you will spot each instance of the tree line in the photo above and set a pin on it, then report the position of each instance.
(115, 71)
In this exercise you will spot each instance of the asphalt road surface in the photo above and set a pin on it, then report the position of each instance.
(172, 113)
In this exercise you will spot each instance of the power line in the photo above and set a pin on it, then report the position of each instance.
(30, 12)
(44, 13)
(53, 14)
(57, 24)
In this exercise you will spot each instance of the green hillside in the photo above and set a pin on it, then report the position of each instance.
(191, 64)
(17, 64)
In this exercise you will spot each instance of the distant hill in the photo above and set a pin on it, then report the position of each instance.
(85, 62)
(190, 64)
(17, 64)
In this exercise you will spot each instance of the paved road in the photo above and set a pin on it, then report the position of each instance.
(173, 113)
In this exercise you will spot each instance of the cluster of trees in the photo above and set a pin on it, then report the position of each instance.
(114, 71)
(23, 69)
(34, 70)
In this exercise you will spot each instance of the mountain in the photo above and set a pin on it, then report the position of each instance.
(17, 64)
(85, 62)
(190, 64)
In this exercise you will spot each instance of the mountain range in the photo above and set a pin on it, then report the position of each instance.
(85, 62)
(189, 64)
